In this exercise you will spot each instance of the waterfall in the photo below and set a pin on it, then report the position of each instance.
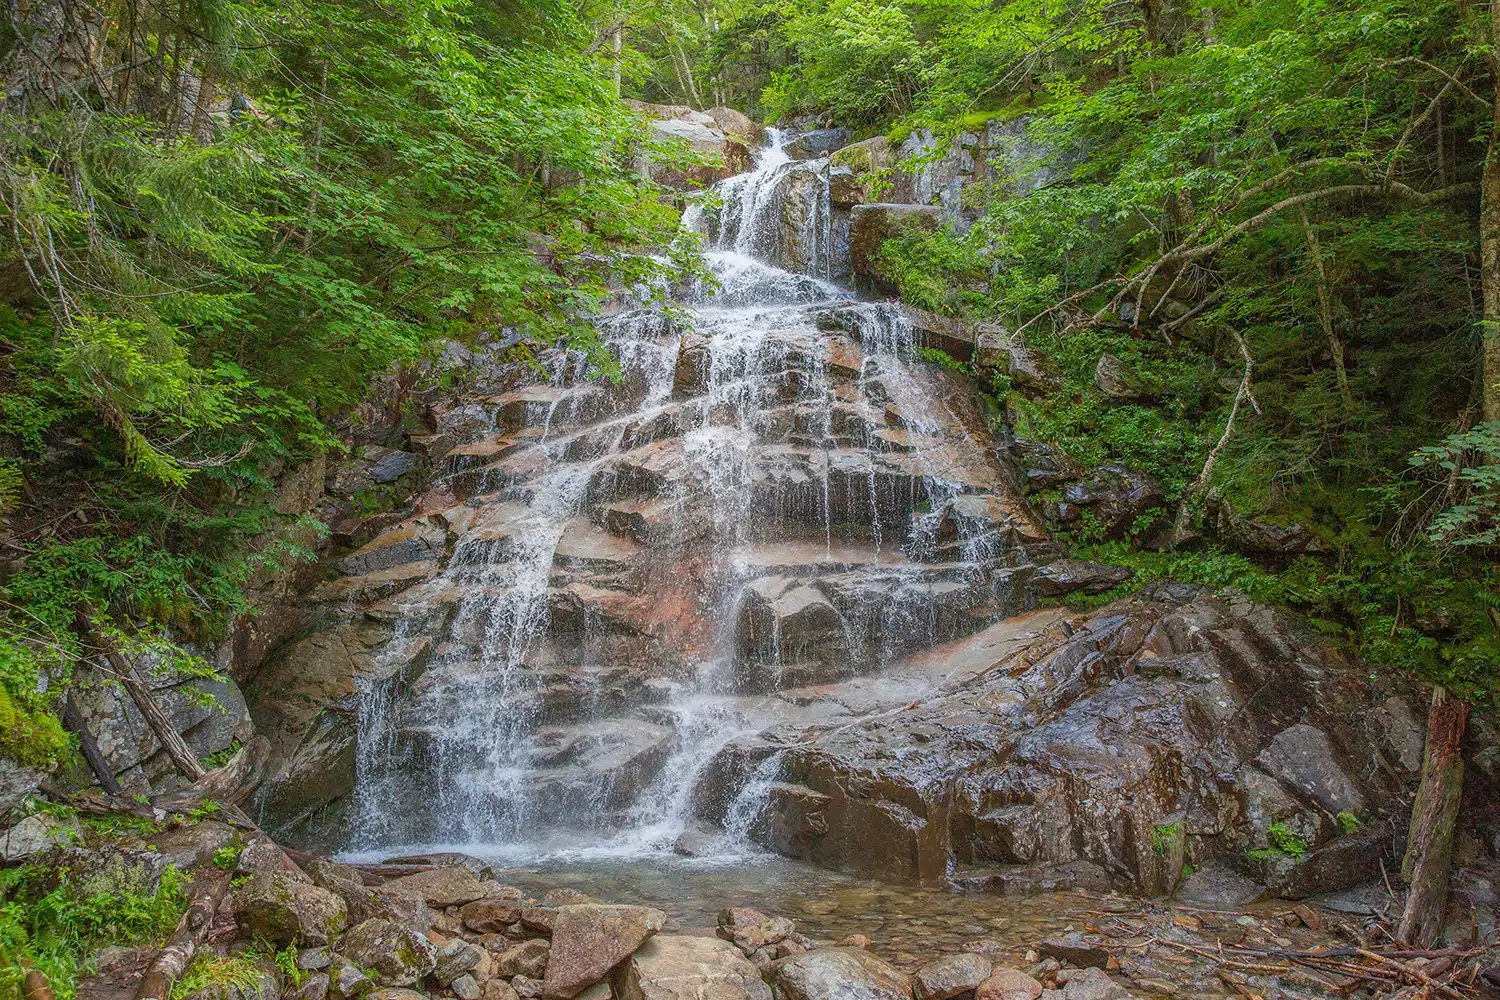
(772, 496)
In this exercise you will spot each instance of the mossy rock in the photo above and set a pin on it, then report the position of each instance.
(280, 908)
(397, 954)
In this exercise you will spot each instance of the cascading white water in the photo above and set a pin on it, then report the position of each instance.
(777, 461)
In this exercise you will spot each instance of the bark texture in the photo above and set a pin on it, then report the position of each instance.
(1489, 243)
(177, 954)
(1429, 847)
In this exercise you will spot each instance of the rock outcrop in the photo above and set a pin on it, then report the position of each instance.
(1121, 746)
(844, 464)
(284, 907)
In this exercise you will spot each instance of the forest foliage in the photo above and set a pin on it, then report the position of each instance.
(222, 220)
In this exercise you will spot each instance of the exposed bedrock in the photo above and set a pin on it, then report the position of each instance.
(777, 493)
(1113, 751)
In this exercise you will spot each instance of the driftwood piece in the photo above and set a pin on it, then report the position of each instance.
(1413, 973)
(237, 778)
(1434, 816)
(170, 963)
(382, 872)
(171, 741)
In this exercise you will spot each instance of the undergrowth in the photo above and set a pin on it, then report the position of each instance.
(54, 921)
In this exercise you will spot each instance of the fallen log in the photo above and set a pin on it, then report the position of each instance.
(380, 870)
(1414, 974)
(205, 897)
(74, 722)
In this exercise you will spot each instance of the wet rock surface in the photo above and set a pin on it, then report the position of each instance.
(1124, 740)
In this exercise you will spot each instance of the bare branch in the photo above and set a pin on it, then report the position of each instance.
(1413, 60)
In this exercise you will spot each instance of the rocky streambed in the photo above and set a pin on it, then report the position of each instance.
(454, 926)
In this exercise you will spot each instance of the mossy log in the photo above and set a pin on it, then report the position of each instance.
(172, 961)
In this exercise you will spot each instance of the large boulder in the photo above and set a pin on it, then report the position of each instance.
(446, 886)
(689, 968)
(493, 913)
(736, 125)
(590, 939)
(1068, 575)
(864, 157)
(404, 906)
(862, 170)
(281, 907)
(818, 143)
(839, 974)
(398, 955)
(1167, 707)
(700, 138)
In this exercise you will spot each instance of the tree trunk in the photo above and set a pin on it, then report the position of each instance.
(1325, 313)
(1434, 816)
(170, 740)
(619, 46)
(75, 722)
(1489, 241)
(172, 961)
(201, 131)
